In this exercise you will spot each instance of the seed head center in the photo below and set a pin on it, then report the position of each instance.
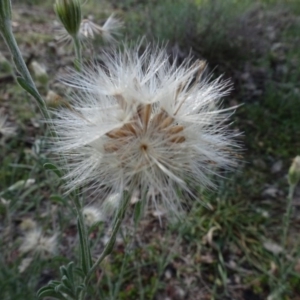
(144, 147)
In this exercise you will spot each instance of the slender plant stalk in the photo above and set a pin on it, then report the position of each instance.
(109, 246)
(78, 53)
(10, 40)
(15, 51)
(86, 258)
(287, 215)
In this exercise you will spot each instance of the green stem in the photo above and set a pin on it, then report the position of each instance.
(109, 246)
(85, 251)
(78, 53)
(86, 258)
(287, 216)
(15, 51)
(6, 30)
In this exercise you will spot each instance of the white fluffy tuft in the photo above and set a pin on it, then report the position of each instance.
(141, 122)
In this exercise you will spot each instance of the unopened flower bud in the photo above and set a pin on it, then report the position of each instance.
(5, 11)
(69, 13)
(294, 171)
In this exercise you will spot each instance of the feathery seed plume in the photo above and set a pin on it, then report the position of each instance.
(88, 30)
(92, 215)
(142, 122)
(34, 241)
(111, 29)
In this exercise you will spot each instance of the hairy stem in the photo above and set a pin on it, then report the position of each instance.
(85, 251)
(21, 67)
(287, 215)
(78, 53)
(86, 258)
(109, 246)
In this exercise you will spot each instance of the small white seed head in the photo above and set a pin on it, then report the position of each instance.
(34, 241)
(88, 31)
(92, 215)
(294, 172)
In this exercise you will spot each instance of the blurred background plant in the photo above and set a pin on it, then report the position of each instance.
(231, 249)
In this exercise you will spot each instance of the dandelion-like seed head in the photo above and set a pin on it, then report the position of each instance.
(35, 241)
(142, 122)
(111, 29)
(88, 30)
(92, 215)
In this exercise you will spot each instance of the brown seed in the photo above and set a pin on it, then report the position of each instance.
(126, 130)
(175, 129)
(111, 147)
(117, 133)
(177, 139)
(166, 122)
(130, 128)
(158, 118)
(121, 101)
(144, 113)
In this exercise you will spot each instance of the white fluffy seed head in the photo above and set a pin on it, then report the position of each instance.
(139, 121)
(88, 30)
(36, 242)
(92, 215)
(111, 29)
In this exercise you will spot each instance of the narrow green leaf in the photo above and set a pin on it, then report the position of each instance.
(79, 272)
(139, 209)
(70, 272)
(63, 289)
(27, 87)
(79, 288)
(45, 288)
(94, 227)
(137, 212)
(49, 292)
(63, 271)
(67, 283)
(54, 283)
(85, 253)
(83, 250)
(52, 167)
(57, 199)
